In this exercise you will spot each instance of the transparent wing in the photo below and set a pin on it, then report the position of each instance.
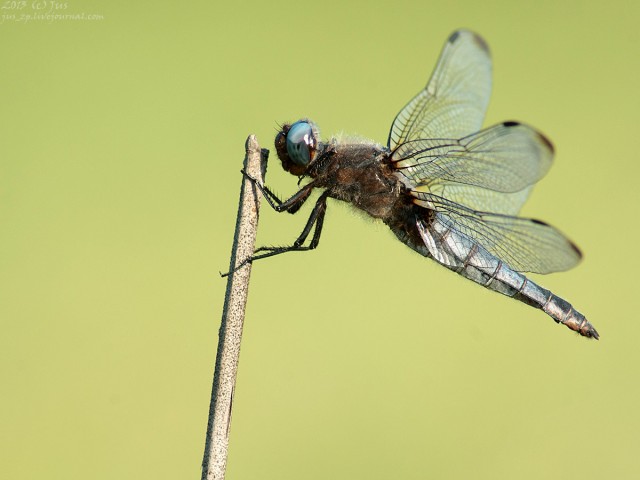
(491, 170)
(525, 244)
(454, 102)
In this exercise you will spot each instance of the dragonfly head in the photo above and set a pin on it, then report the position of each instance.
(297, 146)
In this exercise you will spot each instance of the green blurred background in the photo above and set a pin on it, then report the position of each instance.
(120, 149)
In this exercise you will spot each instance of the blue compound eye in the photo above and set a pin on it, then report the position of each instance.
(301, 143)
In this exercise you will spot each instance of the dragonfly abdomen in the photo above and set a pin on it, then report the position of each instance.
(496, 275)
(459, 253)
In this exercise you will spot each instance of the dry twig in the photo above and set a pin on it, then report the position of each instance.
(215, 455)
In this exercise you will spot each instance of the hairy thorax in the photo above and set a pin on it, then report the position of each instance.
(360, 175)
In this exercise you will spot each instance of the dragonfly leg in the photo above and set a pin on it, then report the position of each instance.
(315, 222)
(315, 219)
(291, 205)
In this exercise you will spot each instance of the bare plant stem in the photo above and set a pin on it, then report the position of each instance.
(224, 379)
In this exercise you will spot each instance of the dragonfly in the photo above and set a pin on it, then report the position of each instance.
(447, 188)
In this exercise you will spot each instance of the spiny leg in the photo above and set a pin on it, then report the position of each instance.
(315, 219)
(290, 205)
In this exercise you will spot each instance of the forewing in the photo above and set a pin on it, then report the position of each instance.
(491, 170)
(454, 102)
(525, 244)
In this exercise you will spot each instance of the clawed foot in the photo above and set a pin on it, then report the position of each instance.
(250, 178)
(238, 267)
